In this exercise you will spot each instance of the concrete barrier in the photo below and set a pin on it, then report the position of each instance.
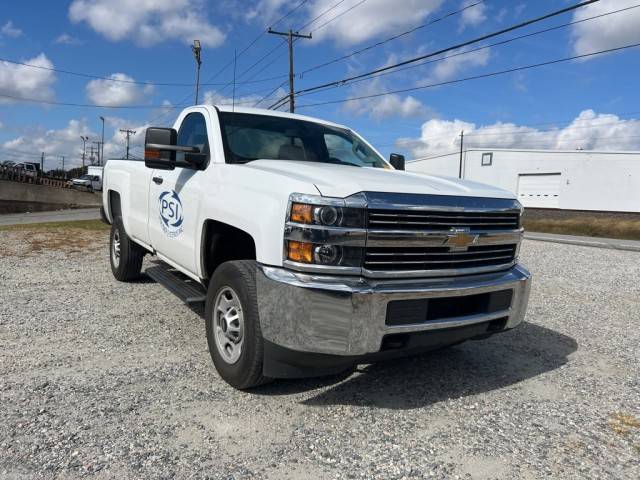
(28, 193)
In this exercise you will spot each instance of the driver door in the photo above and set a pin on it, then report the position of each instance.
(175, 197)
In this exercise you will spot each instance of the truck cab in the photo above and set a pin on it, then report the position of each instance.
(311, 252)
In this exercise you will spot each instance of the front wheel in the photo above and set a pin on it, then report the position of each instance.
(233, 324)
(125, 256)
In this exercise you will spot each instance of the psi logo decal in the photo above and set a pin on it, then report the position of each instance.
(171, 214)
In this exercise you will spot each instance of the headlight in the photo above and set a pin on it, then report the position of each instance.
(324, 234)
(323, 254)
(326, 215)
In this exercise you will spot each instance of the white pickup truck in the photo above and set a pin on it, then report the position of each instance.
(310, 251)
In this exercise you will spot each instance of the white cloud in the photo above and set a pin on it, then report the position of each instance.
(385, 106)
(9, 30)
(115, 146)
(66, 39)
(266, 10)
(588, 131)
(473, 16)
(370, 19)
(148, 22)
(458, 61)
(66, 141)
(608, 32)
(23, 81)
(114, 94)
(54, 143)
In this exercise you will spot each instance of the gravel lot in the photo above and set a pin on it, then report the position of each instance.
(112, 380)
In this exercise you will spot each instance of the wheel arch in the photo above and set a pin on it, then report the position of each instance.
(222, 242)
(115, 204)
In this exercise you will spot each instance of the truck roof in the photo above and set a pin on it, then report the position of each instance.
(274, 113)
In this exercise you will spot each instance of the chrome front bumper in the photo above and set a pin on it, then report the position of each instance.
(346, 316)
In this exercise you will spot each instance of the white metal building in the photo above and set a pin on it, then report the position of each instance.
(563, 179)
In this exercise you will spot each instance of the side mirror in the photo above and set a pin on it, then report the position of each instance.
(160, 151)
(397, 161)
(156, 153)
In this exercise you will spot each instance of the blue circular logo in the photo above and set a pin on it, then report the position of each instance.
(171, 213)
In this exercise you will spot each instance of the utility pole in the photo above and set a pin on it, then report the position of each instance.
(91, 156)
(128, 134)
(290, 36)
(461, 146)
(42, 163)
(84, 149)
(64, 173)
(196, 48)
(102, 143)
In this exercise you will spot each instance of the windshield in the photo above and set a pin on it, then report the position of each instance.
(248, 137)
(85, 177)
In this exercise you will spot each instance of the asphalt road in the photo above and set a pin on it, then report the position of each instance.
(46, 217)
(113, 380)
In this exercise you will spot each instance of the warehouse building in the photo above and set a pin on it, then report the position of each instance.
(558, 179)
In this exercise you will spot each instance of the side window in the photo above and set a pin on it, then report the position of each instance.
(487, 159)
(347, 151)
(193, 132)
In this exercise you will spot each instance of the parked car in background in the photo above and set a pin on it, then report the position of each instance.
(88, 182)
(29, 169)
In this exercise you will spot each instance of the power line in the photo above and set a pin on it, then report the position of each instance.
(87, 105)
(448, 49)
(394, 37)
(338, 16)
(313, 20)
(474, 77)
(228, 64)
(103, 77)
(92, 105)
(484, 47)
(268, 95)
(255, 40)
(278, 46)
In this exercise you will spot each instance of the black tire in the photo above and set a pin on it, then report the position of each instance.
(127, 266)
(240, 277)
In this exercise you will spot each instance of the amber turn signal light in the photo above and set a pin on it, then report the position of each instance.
(300, 252)
(155, 154)
(301, 213)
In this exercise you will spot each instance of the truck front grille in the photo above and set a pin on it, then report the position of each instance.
(388, 259)
(442, 220)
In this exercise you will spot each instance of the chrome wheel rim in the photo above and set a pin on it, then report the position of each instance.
(115, 248)
(228, 325)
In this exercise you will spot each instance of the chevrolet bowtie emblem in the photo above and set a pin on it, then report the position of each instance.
(459, 239)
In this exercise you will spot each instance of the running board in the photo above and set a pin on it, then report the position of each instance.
(183, 287)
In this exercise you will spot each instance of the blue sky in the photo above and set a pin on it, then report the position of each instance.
(590, 103)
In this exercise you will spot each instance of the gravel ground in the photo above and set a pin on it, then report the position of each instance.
(112, 380)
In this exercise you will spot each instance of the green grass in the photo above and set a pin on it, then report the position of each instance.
(587, 226)
(92, 225)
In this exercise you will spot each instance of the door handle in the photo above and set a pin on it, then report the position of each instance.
(157, 180)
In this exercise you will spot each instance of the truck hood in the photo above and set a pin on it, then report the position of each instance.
(341, 181)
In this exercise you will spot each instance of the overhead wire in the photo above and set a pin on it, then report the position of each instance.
(389, 39)
(474, 77)
(484, 47)
(450, 48)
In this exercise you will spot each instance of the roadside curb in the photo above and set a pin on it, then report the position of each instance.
(610, 243)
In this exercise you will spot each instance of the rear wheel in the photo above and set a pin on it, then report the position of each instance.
(125, 256)
(233, 325)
